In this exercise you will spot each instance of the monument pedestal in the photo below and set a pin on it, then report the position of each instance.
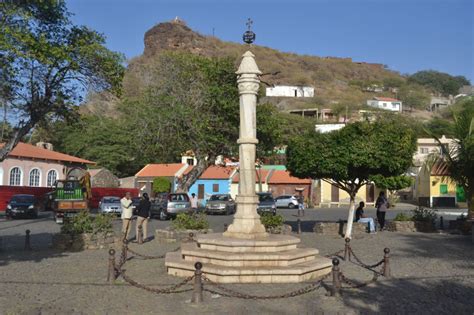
(272, 259)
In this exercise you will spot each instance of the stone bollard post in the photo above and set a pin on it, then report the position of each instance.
(225, 226)
(111, 274)
(347, 251)
(197, 294)
(27, 240)
(441, 223)
(336, 278)
(191, 237)
(386, 263)
(298, 222)
(140, 234)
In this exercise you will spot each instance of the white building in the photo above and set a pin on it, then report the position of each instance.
(325, 128)
(386, 103)
(429, 146)
(290, 91)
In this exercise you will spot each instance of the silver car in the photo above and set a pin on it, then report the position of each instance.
(111, 205)
(174, 204)
(220, 203)
(286, 201)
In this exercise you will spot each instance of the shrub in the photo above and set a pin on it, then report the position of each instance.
(271, 221)
(85, 223)
(424, 215)
(161, 185)
(195, 221)
(403, 217)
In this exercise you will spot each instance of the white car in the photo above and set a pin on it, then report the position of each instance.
(286, 201)
(110, 205)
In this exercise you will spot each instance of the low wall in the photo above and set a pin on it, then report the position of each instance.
(68, 242)
(171, 236)
(339, 228)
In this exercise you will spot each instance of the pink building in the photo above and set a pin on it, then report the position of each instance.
(36, 166)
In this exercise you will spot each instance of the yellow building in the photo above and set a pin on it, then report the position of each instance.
(331, 196)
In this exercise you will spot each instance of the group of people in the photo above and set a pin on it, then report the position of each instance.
(382, 205)
(142, 213)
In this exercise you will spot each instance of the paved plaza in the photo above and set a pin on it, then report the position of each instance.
(432, 273)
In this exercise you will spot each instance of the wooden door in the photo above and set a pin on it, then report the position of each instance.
(201, 191)
(334, 194)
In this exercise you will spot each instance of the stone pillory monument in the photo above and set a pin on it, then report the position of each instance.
(246, 253)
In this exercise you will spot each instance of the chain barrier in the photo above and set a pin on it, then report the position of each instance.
(233, 293)
(168, 290)
(336, 254)
(353, 285)
(366, 266)
(146, 257)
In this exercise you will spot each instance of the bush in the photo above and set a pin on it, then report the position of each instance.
(271, 221)
(85, 223)
(161, 185)
(195, 221)
(403, 217)
(424, 215)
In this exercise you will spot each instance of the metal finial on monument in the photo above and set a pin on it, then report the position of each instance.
(249, 36)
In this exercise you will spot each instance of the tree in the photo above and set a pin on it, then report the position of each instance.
(347, 158)
(49, 62)
(438, 81)
(414, 96)
(161, 185)
(392, 184)
(459, 158)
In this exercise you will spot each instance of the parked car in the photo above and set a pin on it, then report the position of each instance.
(220, 203)
(286, 201)
(22, 206)
(266, 203)
(110, 205)
(167, 206)
(135, 203)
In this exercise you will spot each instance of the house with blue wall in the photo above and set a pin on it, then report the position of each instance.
(214, 180)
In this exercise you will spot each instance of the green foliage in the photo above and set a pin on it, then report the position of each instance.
(438, 81)
(439, 127)
(424, 215)
(271, 221)
(194, 221)
(161, 185)
(350, 156)
(85, 223)
(414, 96)
(403, 217)
(392, 183)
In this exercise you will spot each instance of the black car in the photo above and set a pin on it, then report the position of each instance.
(23, 206)
(266, 203)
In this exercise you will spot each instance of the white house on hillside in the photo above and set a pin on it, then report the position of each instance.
(386, 103)
(290, 91)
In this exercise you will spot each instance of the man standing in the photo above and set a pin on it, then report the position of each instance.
(382, 205)
(143, 214)
(194, 202)
(126, 203)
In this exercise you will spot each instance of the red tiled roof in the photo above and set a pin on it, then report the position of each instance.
(166, 170)
(284, 177)
(24, 150)
(386, 99)
(217, 172)
(263, 173)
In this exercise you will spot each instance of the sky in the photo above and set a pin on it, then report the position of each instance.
(406, 35)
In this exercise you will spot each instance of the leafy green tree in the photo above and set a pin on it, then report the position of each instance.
(161, 185)
(438, 81)
(439, 127)
(414, 96)
(47, 62)
(349, 157)
(459, 158)
(392, 184)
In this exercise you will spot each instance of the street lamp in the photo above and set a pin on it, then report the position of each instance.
(249, 36)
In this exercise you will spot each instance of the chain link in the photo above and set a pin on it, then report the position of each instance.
(232, 293)
(146, 257)
(336, 254)
(362, 264)
(354, 285)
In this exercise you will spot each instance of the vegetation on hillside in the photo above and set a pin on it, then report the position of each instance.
(439, 82)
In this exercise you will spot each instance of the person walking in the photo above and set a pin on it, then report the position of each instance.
(143, 214)
(361, 218)
(194, 202)
(126, 203)
(382, 205)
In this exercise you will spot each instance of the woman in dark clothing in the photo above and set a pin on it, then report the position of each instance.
(382, 205)
(143, 214)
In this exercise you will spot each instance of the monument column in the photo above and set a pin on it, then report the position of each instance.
(246, 222)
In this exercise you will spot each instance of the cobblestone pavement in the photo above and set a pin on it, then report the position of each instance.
(433, 274)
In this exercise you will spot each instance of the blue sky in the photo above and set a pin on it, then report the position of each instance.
(407, 35)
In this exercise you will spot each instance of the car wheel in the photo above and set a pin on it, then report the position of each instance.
(163, 216)
(291, 206)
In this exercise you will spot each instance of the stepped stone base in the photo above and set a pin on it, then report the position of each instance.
(273, 259)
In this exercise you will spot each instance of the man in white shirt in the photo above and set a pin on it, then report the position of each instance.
(127, 213)
(194, 202)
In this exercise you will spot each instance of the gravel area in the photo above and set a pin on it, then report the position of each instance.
(432, 273)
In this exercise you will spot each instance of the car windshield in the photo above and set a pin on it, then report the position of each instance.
(219, 198)
(265, 197)
(179, 197)
(111, 200)
(23, 199)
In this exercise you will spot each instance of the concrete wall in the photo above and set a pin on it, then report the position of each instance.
(290, 91)
(344, 198)
(26, 166)
(386, 105)
(105, 178)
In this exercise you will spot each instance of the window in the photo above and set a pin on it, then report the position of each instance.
(384, 104)
(394, 105)
(443, 189)
(190, 161)
(34, 177)
(15, 176)
(52, 177)
(424, 150)
(215, 187)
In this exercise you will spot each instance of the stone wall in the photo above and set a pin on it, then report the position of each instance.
(171, 236)
(79, 242)
(338, 228)
(401, 226)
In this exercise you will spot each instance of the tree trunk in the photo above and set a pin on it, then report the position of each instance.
(350, 217)
(13, 141)
(470, 203)
(188, 180)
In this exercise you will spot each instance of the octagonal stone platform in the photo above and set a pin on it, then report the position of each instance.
(274, 259)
